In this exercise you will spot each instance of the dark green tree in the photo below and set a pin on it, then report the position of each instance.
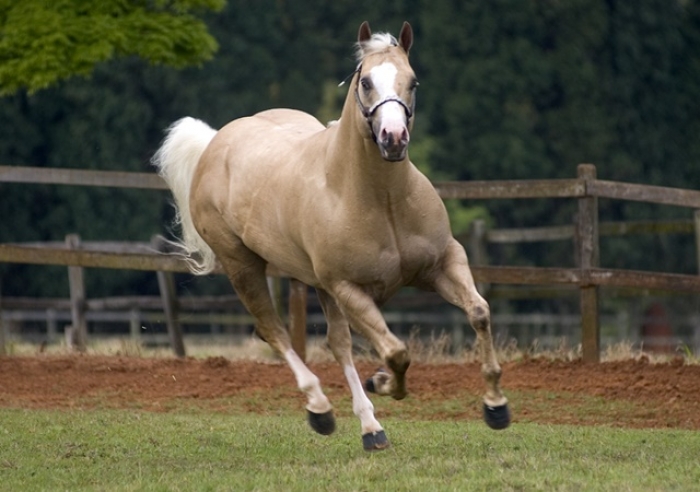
(530, 89)
(103, 122)
(45, 41)
(509, 90)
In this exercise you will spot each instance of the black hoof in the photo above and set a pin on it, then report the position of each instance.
(369, 384)
(497, 417)
(375, 441)
(323, 423)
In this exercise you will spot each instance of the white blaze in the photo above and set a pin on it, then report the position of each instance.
(392, 114)
(383, 77)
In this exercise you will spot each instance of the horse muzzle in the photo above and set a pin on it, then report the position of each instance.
(393, 144)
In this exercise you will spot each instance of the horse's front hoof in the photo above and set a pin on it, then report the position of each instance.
(375, 441)
(497, 417)
(323, 423)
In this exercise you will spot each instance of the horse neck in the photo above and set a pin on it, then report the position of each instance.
(355, 165)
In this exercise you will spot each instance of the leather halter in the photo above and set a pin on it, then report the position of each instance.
(368, 112)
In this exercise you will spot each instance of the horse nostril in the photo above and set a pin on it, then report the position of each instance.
(387, 138)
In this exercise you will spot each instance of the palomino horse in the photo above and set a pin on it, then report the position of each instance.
(341, 208)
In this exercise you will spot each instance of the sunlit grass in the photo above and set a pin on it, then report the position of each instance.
(195, 450)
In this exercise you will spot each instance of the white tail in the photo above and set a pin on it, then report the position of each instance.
(176, 161)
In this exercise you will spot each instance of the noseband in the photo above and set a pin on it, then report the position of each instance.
(368, 112)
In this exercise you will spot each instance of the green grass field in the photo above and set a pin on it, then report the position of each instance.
(197, 450)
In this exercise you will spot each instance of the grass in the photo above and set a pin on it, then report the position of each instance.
(196, 450)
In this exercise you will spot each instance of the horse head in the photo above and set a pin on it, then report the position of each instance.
(385, 89)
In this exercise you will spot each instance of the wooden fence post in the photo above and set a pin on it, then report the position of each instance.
(76, 282)
(457, 318)
(588, 257)
(135, 324)
(168, 294)
(51, 325)
(3, 347)
(696, 216)
(696, 335)
(478, 255)
(274, 286)
(298, 294)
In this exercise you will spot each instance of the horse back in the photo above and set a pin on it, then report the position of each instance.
(252, 181)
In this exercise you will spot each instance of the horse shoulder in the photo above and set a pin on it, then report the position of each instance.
(424, 207)
(422, 227)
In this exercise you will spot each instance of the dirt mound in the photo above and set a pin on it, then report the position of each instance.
(633, 393)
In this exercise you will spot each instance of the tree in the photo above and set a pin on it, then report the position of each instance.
(107, 122)
(509, 90)
(522, 90)
(45, 41)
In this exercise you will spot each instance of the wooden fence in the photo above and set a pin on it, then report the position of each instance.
(587, 276)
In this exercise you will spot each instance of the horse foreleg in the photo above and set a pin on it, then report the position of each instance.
(366, 318)
(247, 274)
(340, 342)
(456, 285)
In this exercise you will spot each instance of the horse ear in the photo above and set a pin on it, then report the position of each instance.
(406, 37)
(364, 33)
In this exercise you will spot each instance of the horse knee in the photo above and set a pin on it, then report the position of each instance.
(399, 360)
(480, 317)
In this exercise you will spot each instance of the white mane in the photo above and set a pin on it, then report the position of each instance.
(377, 43)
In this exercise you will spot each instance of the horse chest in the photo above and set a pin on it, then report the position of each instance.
(380, 254)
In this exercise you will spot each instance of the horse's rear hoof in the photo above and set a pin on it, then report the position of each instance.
(378, 382)
(369, 385)
(497, 417)
(323, 423)
(375, 441)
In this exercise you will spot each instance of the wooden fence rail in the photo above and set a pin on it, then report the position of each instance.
(588, 277)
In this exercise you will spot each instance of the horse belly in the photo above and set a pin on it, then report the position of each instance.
(280, 250)
(375, 266)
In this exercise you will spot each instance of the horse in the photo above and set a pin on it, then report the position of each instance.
(341, 208)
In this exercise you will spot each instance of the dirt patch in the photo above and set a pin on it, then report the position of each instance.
(630, 394)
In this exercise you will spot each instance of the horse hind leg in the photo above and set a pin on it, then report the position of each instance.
(340, 342)
(246, 271)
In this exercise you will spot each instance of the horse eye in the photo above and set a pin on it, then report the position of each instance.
(366, 84)
(414, 85)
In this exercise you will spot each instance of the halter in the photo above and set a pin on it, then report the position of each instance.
(368, 112)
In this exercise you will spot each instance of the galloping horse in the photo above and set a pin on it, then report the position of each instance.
(340, 208)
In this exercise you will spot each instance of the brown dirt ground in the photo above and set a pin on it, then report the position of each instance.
(627, 394)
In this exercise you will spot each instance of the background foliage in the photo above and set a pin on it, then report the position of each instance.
(509, 90)
(46, 41)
